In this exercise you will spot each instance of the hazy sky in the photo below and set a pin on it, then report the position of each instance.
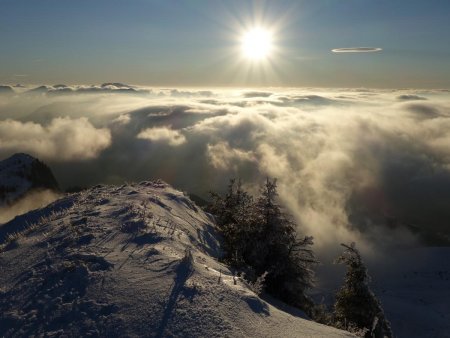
(180, 42)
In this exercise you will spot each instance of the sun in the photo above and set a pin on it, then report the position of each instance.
(257, 44)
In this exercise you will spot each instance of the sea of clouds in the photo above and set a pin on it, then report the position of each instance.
(371, 166)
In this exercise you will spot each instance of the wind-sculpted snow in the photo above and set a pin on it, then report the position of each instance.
(130, 260)
(370, 166)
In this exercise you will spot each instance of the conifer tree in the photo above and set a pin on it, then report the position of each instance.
(234, 217)
(260, 239)
(356, 305)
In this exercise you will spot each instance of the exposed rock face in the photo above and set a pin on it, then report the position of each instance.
(22, 173)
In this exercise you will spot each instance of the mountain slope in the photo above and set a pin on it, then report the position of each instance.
(415, 292)
(135, 260)
(22, 173)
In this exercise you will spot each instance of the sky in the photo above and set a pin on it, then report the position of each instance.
(197, 43)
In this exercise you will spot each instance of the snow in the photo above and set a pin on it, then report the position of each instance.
(415, 292)
(413, 286)
(135, 260)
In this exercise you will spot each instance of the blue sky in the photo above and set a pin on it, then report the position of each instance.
(175, 42)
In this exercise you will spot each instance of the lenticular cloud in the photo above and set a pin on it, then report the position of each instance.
(357, 50)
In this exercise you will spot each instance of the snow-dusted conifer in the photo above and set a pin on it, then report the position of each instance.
(234, 215)
(356, 305)
(259, 237)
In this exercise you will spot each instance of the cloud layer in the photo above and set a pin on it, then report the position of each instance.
(359, 165)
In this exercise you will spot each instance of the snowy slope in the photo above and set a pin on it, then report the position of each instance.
(135, 260)
(21, 173)
(415, 292)
(413, 286)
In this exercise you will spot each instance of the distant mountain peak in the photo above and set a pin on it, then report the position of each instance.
(21, 173)
(6, 90)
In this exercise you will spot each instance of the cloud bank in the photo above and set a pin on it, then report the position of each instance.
(61, 139)
(371, 166)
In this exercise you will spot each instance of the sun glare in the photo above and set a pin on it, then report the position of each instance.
(257, 44)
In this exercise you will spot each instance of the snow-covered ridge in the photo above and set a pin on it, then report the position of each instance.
(19, 174)
(134, 260)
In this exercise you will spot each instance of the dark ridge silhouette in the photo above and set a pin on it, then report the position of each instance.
(22, 173)
(6, 90)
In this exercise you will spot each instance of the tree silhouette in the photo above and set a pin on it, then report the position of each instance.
(260, 238)
(356, 305)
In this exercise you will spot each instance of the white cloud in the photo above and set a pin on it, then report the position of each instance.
(162, 134)
(62, 139)
(122, 119)
(222, 156)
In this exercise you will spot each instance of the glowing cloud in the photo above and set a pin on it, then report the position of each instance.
(222, 156)
(62, 139)
(166, 135)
